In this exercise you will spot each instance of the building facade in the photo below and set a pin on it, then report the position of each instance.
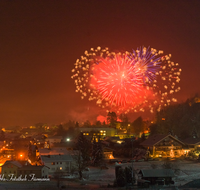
(164, 146)
(16, 169)
(57, 163)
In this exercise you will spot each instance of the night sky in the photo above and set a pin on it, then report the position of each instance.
(40, 41)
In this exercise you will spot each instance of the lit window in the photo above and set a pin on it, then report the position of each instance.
(60, 168)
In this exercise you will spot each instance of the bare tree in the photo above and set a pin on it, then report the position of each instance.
(79, 164)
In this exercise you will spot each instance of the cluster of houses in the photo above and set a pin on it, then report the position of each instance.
(53, 153)
(58, 155)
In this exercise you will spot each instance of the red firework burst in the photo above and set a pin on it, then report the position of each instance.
(127, 81)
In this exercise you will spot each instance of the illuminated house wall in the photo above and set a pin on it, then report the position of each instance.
(164, 145)
(98, 132)
(57, 162)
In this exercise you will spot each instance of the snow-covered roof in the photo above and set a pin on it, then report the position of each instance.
(157, 173)
(56, 158)
(16, 163)
(153, 140)
(53, 151)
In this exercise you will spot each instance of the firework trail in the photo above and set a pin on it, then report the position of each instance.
(125, 81)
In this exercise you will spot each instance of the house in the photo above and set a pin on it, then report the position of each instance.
(52, 151)
(97, 132)
(10, 167)
(157, 176)
(8, 153)
(39, 140)
(108, 153)
(37, 171)
(29, 132)
(9, 129)
(124, 135)
(54, 139)
(57, 163)
(114, 140)
(18, 169)
(164, 145)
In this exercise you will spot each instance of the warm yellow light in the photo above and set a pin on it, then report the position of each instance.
(119, 142)
(21, 155)
(111, 157)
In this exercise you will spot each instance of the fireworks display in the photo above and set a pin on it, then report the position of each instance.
(125, 81)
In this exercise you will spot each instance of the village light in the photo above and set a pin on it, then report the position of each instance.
(68, 139)
(119, 142)
(111, 157)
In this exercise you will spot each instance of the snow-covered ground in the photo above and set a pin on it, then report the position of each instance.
(189, 170)
(96, 177)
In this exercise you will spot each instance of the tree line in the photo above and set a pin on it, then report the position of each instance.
(181, 119)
